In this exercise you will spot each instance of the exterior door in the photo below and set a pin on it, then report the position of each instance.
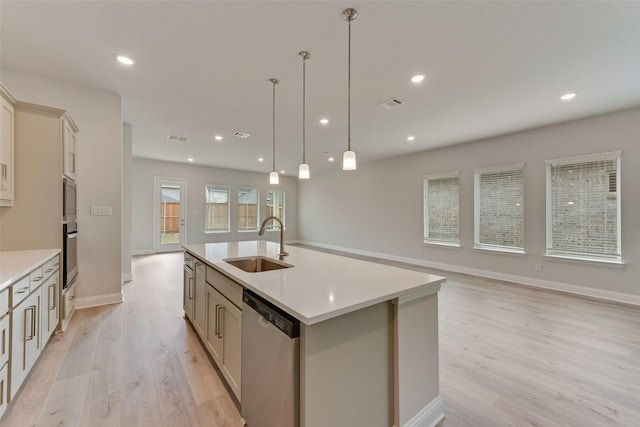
(170, 215)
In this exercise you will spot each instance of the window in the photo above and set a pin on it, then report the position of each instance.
(499, 208)
(583, 207)
(275, 207)
(247, 209)
(216, 209)
(442, 209)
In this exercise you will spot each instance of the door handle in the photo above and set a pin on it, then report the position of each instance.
(181, 221)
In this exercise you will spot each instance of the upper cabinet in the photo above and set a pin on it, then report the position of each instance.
(6, 147)
(70, 138)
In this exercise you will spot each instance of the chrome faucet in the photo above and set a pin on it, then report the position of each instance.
(281, 252)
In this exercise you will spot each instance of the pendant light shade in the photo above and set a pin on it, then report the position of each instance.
(273, 176)
(303, 170)
(349, 157)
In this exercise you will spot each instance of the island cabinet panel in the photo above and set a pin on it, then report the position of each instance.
(26, 342)
(200, 315)
(187, 293)
(346, 364)
(214, 339)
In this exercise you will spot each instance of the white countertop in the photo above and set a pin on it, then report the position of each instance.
(319, 286)
(16, 264)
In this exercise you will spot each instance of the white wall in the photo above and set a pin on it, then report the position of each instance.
(98, 115)
(197, 177)
(378, 209)
(127, 209)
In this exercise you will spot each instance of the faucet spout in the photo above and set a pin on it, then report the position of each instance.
(281, 253)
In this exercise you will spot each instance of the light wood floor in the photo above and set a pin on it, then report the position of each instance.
(509, 356)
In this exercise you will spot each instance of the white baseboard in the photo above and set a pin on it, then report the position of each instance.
(99, 300)
(428, 416)
(143, 252)
(528, 281)
(127, 277)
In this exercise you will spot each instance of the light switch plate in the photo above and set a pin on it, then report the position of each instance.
(100, 210)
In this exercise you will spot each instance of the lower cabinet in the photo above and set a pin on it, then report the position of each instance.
(187, 290)
(200, 315)
(224, 336)
(4, 350)
(4, 388)
(69, 305)
(26, 343)
(50, 315)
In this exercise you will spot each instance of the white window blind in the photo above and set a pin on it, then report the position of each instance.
(499, 209)
(442, 209)
(275, 207)
(217, 209)
(583, 207)
(247, 209)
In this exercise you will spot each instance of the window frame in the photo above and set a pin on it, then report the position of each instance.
(477, 173)
(576, 256)
(426, 239)
(274, 226)
(248, 230)
(218, 231)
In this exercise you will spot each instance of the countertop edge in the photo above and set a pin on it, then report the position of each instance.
(30, 259)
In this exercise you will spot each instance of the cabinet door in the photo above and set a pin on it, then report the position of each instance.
(6, 153)
(187, 292)
(4, 389)
(200, 315)
(213, 341)
(232, 345)
(25, 340)
(50, 314)
(4, 340)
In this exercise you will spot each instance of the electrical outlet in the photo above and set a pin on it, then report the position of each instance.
(100, 210)
(538, 267)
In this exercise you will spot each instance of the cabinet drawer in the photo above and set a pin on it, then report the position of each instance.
(20, 291)
(4, 389)
(69, 301)
(36, 278)
(4, 340)
(189, 260)
(51, 266)
(4, 302)
(227, 287)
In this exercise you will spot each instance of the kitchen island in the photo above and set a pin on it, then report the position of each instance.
(368, 333)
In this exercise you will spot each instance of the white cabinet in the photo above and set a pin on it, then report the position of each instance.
(68, 305)
(200, 316)
(4, 350)
(224, 326)
(50, 297)
(187, 289)
(6, 147)
(70, 138)
(25, 344)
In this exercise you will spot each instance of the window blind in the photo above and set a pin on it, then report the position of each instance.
(217, 209)
(583, 218)
(499, 209)
(442, 209)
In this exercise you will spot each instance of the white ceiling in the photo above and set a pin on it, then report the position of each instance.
(202, 68)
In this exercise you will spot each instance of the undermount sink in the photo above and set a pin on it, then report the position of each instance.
(256, 264)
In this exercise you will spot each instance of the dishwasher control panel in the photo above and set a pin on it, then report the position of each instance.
(272, 314)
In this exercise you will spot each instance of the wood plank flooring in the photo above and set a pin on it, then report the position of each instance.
(509, 356)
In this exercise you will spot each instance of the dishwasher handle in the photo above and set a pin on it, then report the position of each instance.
(279, 318)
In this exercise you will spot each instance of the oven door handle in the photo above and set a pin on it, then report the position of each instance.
(72, 235)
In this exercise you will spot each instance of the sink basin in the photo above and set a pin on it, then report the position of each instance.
(256, 264)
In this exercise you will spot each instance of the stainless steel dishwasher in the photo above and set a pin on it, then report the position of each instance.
(270, 364)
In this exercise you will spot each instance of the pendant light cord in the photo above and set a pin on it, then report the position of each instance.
(274, 126)
(349, 98)
(304, 108)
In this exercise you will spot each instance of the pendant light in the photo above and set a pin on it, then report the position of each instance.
(349, 157)
(273, 176)
(303, 170)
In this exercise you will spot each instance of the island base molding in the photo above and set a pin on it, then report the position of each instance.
(429, 416)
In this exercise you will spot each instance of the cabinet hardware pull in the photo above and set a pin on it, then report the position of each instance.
(22, 291)
(37, 279)
(31, 310)
(219, 309)
(4, 342)
(190, 281)
(52, 296)
(217, 321)
(3, 179)
(49, 270)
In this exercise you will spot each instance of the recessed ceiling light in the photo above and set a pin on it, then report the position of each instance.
(282, 172)
(331, 159)
(568, 96)
(190, 159)
(324, 121)
(124, 60)
(417, 78)
(411, 138)
(260, 159)
(218, 138)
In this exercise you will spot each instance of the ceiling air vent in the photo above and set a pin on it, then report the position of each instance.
(177, 138)
(391, 103)
(242, 135)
